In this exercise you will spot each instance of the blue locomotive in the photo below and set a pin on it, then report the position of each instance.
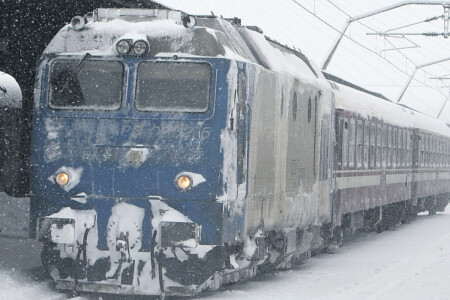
(172, 154)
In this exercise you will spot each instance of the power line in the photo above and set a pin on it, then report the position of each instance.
(365, 47)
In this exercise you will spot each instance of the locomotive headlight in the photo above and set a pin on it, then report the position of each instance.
(123, 47)
(184, 182)
(141, 47)
(62, 178)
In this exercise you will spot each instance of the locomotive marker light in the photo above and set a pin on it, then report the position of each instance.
(62, 178)
(123, 47)
(184, 182)
(141, 47)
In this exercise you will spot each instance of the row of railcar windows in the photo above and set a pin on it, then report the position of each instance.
(433, 151)
(368, 144)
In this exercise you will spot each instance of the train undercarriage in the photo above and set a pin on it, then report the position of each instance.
(179, 266)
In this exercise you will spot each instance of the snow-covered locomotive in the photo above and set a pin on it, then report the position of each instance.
(172, 154)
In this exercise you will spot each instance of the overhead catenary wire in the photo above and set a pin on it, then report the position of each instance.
(367, 48)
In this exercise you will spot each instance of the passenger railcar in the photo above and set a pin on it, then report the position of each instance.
(172, 154)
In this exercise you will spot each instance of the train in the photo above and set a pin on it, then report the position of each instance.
(173, 154)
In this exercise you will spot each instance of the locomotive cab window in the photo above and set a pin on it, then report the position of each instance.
(173, 87)
(86, 84)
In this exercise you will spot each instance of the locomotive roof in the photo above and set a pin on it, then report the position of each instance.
(390, 112)
(211, 37)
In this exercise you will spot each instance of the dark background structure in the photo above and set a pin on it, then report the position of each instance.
(27, 26)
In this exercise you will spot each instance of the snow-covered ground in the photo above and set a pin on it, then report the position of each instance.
(412, 262)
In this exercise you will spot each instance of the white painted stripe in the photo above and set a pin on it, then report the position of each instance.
(397, 178)
(357, 181)
(445, 175)
(425, 176)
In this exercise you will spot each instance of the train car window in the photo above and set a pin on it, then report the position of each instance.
(359, 144)
(173, 87)
(366, 144)
(344, 143)
(86, 85)
(442, 153)
(439, 155)
(294, 106)
(400, 148)
(425, 150)
(433, 151)
(394, 147)
(324, 142)
(434, 145)
(389, 137)
(420, 162)
(384, 145)
(445, 153)
(378, 150)
(372, 145)
(407, 137)
(436, 151)
(351, 146)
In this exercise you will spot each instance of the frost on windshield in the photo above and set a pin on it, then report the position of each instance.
(169, 86)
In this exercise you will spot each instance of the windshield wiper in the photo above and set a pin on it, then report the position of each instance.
(81, 62)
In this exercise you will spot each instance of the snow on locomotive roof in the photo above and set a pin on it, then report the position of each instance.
(370, 106)
(211, 37)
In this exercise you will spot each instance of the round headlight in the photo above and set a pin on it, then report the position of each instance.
(123, 47)
(141, 47)
(184, 182)
(62, 178)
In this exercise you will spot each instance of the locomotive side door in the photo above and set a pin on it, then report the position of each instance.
(416, 143)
